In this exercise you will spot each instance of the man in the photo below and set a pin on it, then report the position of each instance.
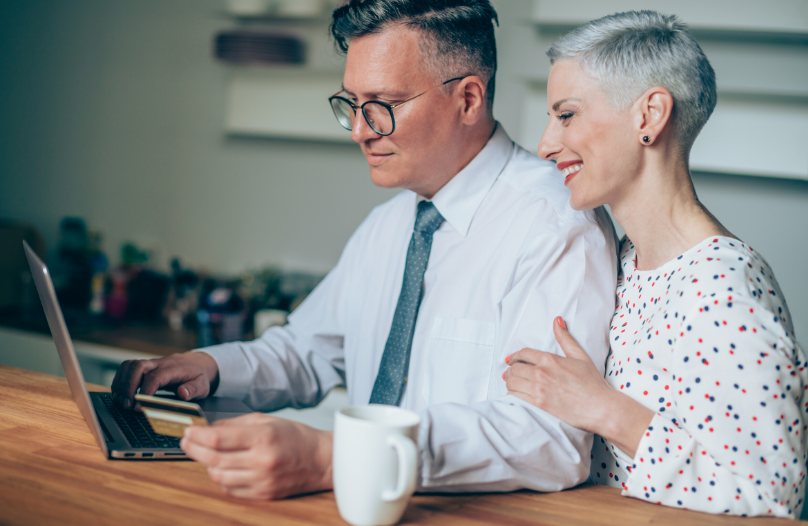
(436, 287)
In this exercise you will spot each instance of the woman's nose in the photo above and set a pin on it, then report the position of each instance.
(549, 146)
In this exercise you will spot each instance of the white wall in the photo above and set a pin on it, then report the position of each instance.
(114, 111)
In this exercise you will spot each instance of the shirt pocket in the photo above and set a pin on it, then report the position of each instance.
(459, 357)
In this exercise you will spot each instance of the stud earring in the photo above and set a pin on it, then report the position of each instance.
(646, 139)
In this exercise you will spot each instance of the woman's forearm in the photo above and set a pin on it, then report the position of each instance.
(623, 421)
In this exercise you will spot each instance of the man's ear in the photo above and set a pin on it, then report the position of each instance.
(472, 89)
(653, 114)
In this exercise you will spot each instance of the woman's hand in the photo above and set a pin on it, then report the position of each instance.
(573, 390)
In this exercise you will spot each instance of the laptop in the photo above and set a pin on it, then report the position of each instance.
(120, 434)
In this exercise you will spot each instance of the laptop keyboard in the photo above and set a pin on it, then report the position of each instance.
(136, 428)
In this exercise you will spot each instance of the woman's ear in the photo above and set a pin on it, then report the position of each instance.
(653, 111)
(473, 91)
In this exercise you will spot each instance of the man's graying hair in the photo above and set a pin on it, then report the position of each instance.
(458, 35)
(627, 53)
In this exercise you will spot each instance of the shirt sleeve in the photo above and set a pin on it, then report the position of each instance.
(298, 364)
(504, 444)
(740, 449)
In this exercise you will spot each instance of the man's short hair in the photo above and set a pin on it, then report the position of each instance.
(458, 34)
(627, 53)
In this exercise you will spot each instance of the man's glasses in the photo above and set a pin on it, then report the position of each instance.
(378, 114)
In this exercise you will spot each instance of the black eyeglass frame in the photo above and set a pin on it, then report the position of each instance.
(388, 107)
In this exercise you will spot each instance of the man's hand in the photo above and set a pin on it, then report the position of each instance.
(191, 375)
(257, 456)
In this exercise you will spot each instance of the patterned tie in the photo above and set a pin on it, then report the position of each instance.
(395, 363)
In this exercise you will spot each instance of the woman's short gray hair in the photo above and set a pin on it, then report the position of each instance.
(627, 53)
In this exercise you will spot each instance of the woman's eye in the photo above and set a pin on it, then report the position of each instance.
(565, 116)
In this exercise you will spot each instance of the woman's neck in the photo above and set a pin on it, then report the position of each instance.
(662, 215)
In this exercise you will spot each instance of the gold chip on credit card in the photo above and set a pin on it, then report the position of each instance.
(170, 417)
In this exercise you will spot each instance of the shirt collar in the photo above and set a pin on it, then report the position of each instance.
(460, 198)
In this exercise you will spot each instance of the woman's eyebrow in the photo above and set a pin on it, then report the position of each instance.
(562, 101)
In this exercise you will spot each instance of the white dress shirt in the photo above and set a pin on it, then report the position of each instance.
(510, 256)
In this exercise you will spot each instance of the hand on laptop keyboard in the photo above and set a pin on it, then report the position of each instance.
(191, 375)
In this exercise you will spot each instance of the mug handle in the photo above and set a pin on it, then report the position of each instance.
(406, 452)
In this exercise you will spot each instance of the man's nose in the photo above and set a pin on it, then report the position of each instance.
(362, 132)
(549, 146)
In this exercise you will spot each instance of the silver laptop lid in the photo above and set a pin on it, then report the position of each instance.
(64, 345)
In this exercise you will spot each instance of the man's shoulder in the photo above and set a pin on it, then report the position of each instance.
(533, 179)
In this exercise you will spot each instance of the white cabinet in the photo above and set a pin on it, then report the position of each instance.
(283, 103)
(287, 102)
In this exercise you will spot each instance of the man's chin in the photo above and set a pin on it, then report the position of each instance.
(385, 178)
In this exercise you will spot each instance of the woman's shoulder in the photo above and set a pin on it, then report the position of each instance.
(726, 283)
(729, 267)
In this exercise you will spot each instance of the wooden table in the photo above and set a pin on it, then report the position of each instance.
(52, 472)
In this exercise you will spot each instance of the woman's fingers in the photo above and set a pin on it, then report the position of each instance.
(565, 340)
(526, 356)
(529, 387)
(525, 370)
(568, 344)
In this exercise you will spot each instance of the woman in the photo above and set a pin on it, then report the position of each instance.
(703, 404)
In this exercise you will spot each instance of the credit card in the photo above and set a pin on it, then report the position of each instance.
(170, 417)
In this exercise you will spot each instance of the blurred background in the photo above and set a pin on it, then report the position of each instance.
(178, 165)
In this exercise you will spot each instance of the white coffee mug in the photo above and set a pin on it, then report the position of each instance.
(375, 462)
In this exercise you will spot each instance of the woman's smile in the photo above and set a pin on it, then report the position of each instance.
(570, 168)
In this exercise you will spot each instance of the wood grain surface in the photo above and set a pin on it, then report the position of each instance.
(52, 472)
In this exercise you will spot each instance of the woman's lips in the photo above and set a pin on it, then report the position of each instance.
(565, 164)
(569, 169)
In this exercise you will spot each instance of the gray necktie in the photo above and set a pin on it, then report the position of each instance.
(392, 375)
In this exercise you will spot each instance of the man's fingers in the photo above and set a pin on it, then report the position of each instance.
(166, 376)
(243, 459)
(222, 438)
(233, 478)
(568, 344)
(196, 388)
(131, 375)
(200, 453)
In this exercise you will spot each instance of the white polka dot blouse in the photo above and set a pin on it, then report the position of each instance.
(706, 341)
